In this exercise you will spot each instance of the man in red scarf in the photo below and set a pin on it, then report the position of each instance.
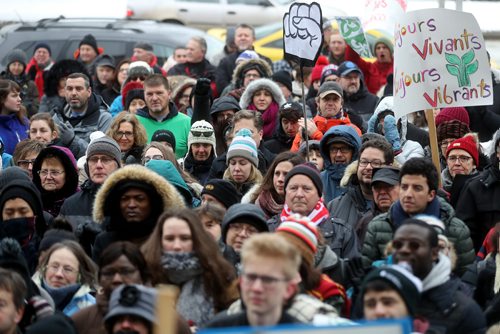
(39, 63)
(303, 192)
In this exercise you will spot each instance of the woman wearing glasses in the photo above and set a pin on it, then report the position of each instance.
(181, 252)
(55, 174)
(68, 275)
(462, 158)
(130, 136)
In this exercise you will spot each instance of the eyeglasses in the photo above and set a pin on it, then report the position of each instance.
(239, 227)
(145, 160)
(46, 172)
(375, 163)
(127, 134)
(66, 270)
(25, 163)
(123, 272)
(462, 158)
(446, 142)
(104, 160)
(267, 281)
(202, 133)
(343, 149)
(413, 245)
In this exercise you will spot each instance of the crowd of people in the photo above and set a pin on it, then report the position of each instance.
(213, 176)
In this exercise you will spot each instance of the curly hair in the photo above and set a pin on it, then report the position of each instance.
(140, 136)
(219, 276)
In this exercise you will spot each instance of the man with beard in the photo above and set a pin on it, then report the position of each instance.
(84, 113)
(355, 202)
(161, 113)
(201, 151)
(356, 97)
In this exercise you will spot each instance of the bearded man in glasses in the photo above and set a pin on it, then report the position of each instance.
(418, 181)
(268, 281)
(201, 151)
(442, 303)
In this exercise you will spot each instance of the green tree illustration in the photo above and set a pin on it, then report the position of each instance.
(463, 67)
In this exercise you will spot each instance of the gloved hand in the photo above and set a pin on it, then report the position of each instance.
(40, 307)
(202, 87)
(371, 123)
(66, 134)
(391, 133)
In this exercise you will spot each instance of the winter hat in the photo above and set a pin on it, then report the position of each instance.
(330, 69)
(318, 68)
(385, 41)
(284, 78)
(247, 213)
(348, 67)
(24, 189)
(247, 55)
(467, 144)
(42, 45)
(224, 103)
(308, 170)
(169, 172)
(12, 258)
(223, 191)
(131, 91)
(57, 323)
(138, 68)
(17, 55)
(452, 114)
(164, 135)
(107, 146)
(243, 146)
(302, 234)
(451, 129)
(201, 132)
(12, 173)
(143, 45)
(257, 85)
(54, 236)
(291, 111)
(313, 145)
(89, 40)
(105, 60)
(132, 299)
(405, 283)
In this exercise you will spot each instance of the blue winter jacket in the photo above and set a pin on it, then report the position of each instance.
(12, 131)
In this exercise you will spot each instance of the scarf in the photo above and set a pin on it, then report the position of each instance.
(270, 118)
(20, 229)
(399, 215)
(61, 296)
(439, 274)
(318, 215)
(268, 204)
(193, 303)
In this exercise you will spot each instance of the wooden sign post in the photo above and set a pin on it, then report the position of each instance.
(165, 310)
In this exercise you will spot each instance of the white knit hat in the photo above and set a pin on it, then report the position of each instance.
(243, 146)
(201, 132)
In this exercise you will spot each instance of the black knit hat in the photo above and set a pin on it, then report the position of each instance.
(291, 111)
(12, 258)
(17, 55)
(224, 191)
(57, 323)
(164, 135)
(105, 60)
(13, 173)
(308, 170)
(224, 103)
(284, 78)
(132, 95)
(247, 213)
(54, 236)
(42, 45)
(144, 46)
(405, 283)
(91, 41)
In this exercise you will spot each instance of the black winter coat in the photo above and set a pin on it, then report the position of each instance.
(362, 103)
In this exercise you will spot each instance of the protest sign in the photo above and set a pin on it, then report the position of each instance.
(381, 15)
(351, 29)
(440, 61)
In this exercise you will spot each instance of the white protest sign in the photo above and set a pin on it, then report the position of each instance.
(439, 61)
(381, 15)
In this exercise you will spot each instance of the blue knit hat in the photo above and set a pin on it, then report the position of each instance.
(243, 146)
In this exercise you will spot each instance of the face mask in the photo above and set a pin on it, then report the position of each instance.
(20, 229)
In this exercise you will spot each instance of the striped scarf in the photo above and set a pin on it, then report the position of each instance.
(317, 216)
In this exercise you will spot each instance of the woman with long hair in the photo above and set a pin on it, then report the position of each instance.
(181, 252)
(130, 135)
(68, 275)
(13, 122)
(270, 194)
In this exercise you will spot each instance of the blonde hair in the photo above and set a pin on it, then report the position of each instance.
(255, 176)
(140, 136)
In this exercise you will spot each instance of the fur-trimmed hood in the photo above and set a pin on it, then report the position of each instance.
(259, 64)
(181, 85)
(348, 133)
(255, 86)
(170, 195)
(62, 69)
(350, 170)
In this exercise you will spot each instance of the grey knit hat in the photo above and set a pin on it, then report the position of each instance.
(17, 55)
(133, 299)
(107, 146)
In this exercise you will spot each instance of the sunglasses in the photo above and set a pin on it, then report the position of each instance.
(202, 133)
